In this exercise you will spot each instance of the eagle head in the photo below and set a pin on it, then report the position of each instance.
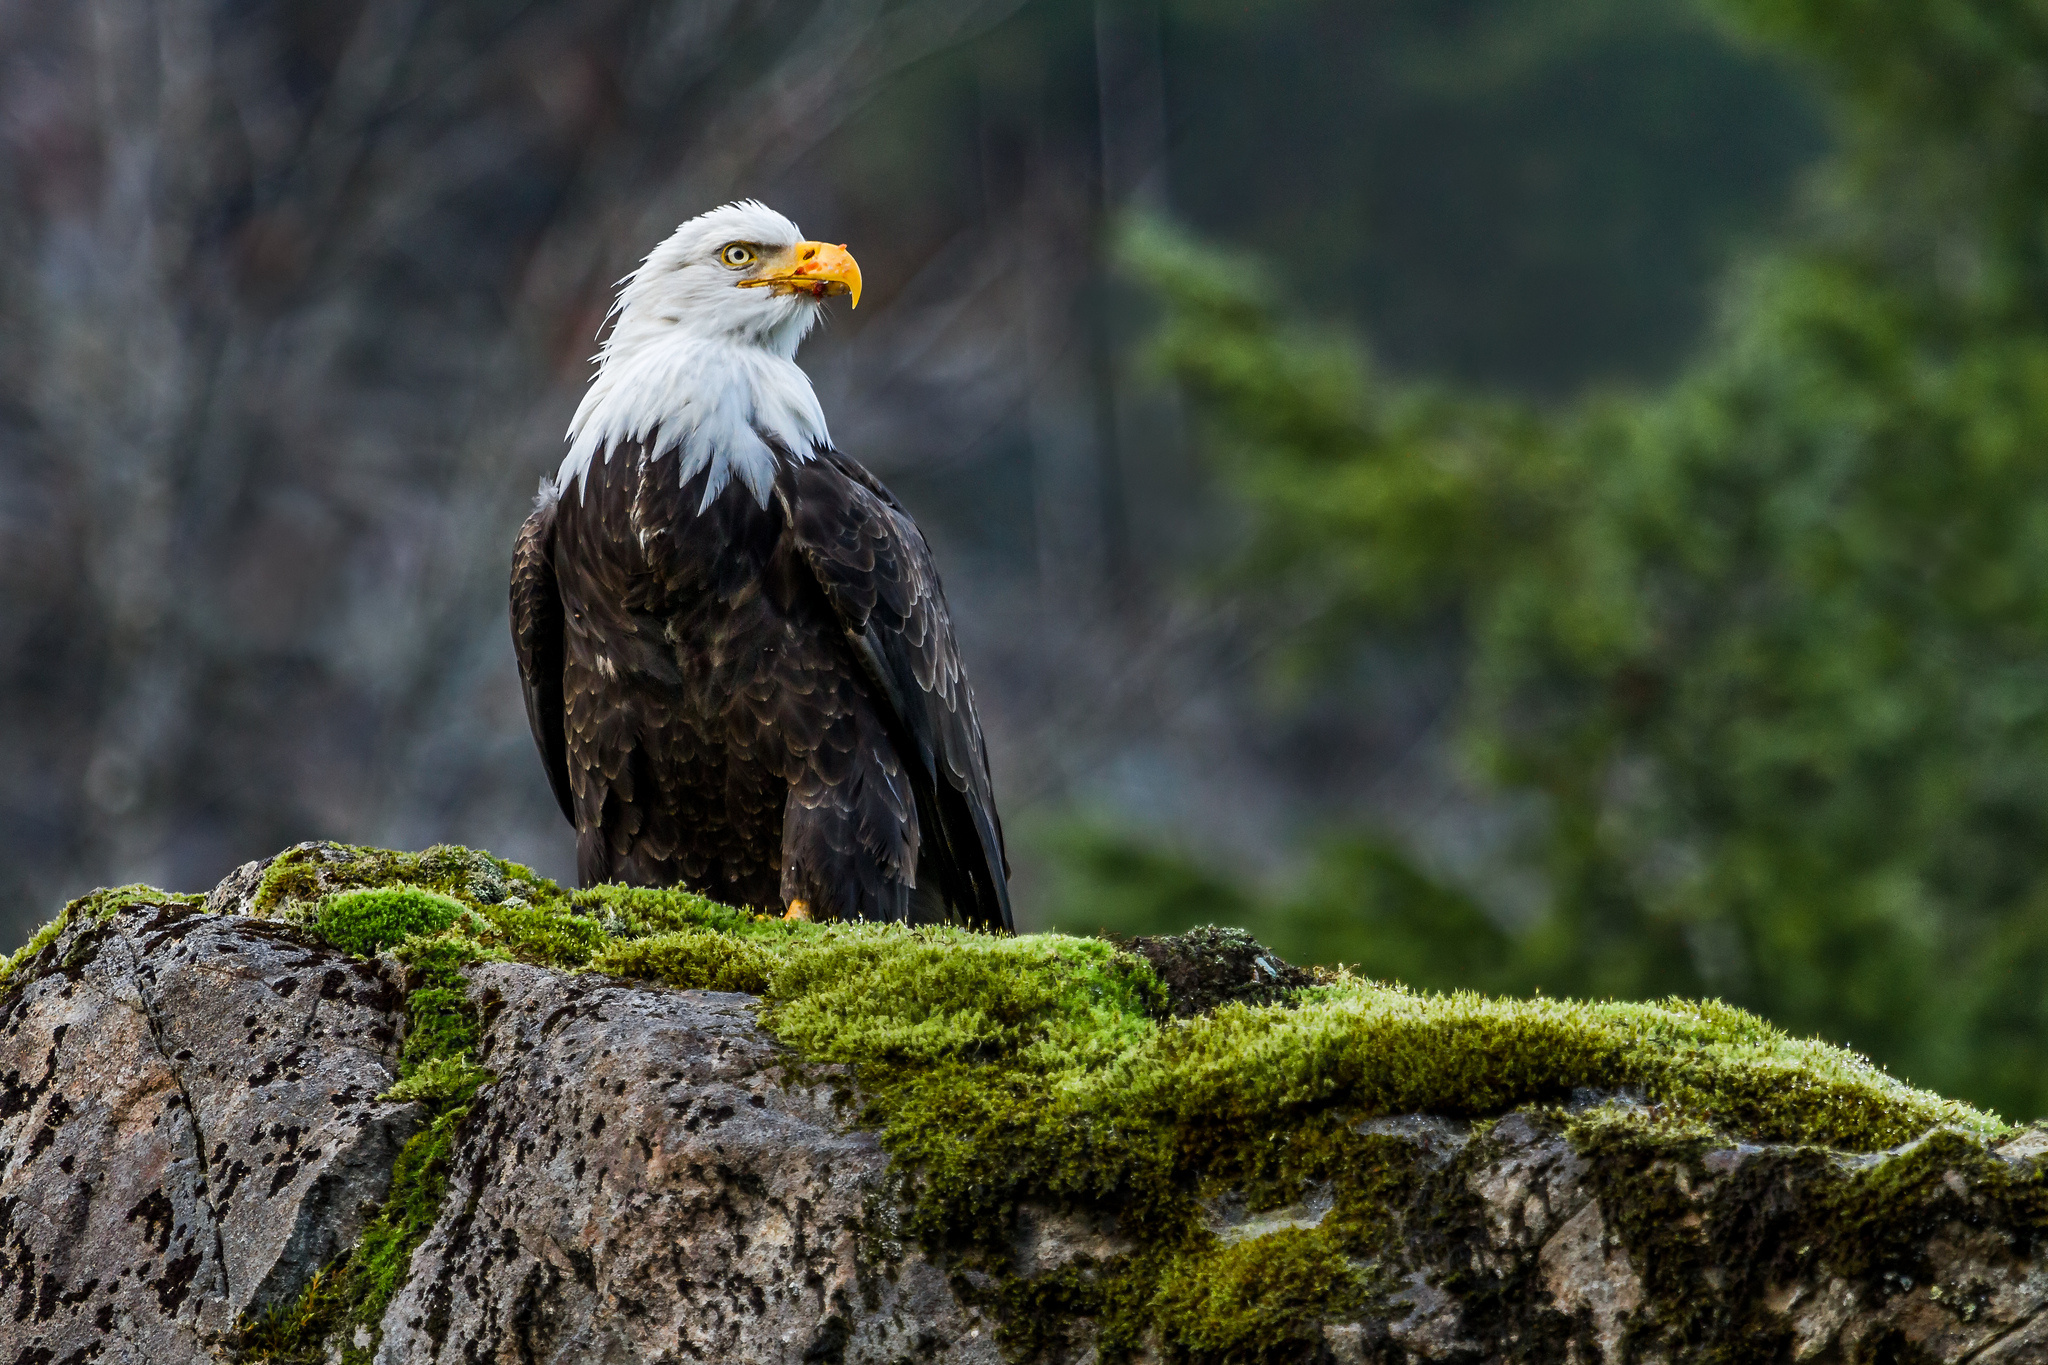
(741, 273)
(701, 356)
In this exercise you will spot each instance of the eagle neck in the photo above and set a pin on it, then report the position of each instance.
(728, 409)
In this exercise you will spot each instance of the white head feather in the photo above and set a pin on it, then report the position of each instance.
(703, 365)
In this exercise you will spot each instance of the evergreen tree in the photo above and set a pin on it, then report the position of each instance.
(1770, 645)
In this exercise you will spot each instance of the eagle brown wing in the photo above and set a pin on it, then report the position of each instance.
(537, 639)
(877, 573)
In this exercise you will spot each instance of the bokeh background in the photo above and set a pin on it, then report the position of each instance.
(1521, 494)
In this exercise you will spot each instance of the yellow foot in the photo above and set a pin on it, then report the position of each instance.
(798, 910)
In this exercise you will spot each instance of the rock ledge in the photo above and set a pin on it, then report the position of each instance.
(193, 1122)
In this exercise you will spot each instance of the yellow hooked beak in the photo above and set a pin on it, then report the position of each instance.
(817, 269)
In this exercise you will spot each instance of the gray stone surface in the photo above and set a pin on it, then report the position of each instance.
(237, 890)
(282, 1051)
(648, 1180)
(188, 1130)
(1543, 1275)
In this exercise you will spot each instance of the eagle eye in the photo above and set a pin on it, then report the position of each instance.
(737, 254)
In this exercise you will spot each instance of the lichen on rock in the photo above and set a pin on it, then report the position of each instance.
(626, 1124)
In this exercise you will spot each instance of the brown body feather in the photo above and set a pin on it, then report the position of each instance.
(764, 704)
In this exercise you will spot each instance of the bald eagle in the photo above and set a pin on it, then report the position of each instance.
(736, 656)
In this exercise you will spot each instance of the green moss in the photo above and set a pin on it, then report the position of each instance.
(1046, 1003)
(27, 953)
(378, 1264)
(444, 1026)
(1037, 1317)
(295, 1333)
(1389, 1050)
(1643, 1168)
(1006, 1071)
(636, 911)
(548, 935)
(101, 906)
(355, 1290)
(445, 1081)
(695, 959)
(366, 922)
(1255, 1302)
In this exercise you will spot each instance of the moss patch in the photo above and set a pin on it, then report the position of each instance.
(692, 959)
(294, 1333)
(1031, 1071)
(1051, 1071)
(297, 880)
(353, 1292)
(365, 922)
(1254, 1302)
(93, 910)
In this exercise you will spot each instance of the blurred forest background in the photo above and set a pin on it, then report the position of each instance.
(1524, 494)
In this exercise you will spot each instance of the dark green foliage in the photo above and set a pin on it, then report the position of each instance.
(1110, 882)
(1364, 903)
(1763, 652)
(1361, 902)
(1511, 192)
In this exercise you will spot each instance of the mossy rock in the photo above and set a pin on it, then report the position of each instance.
(1151, 1083)
(1212, 966)
(93, 909)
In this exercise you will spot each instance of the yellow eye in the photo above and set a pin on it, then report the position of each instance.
(737, 255)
